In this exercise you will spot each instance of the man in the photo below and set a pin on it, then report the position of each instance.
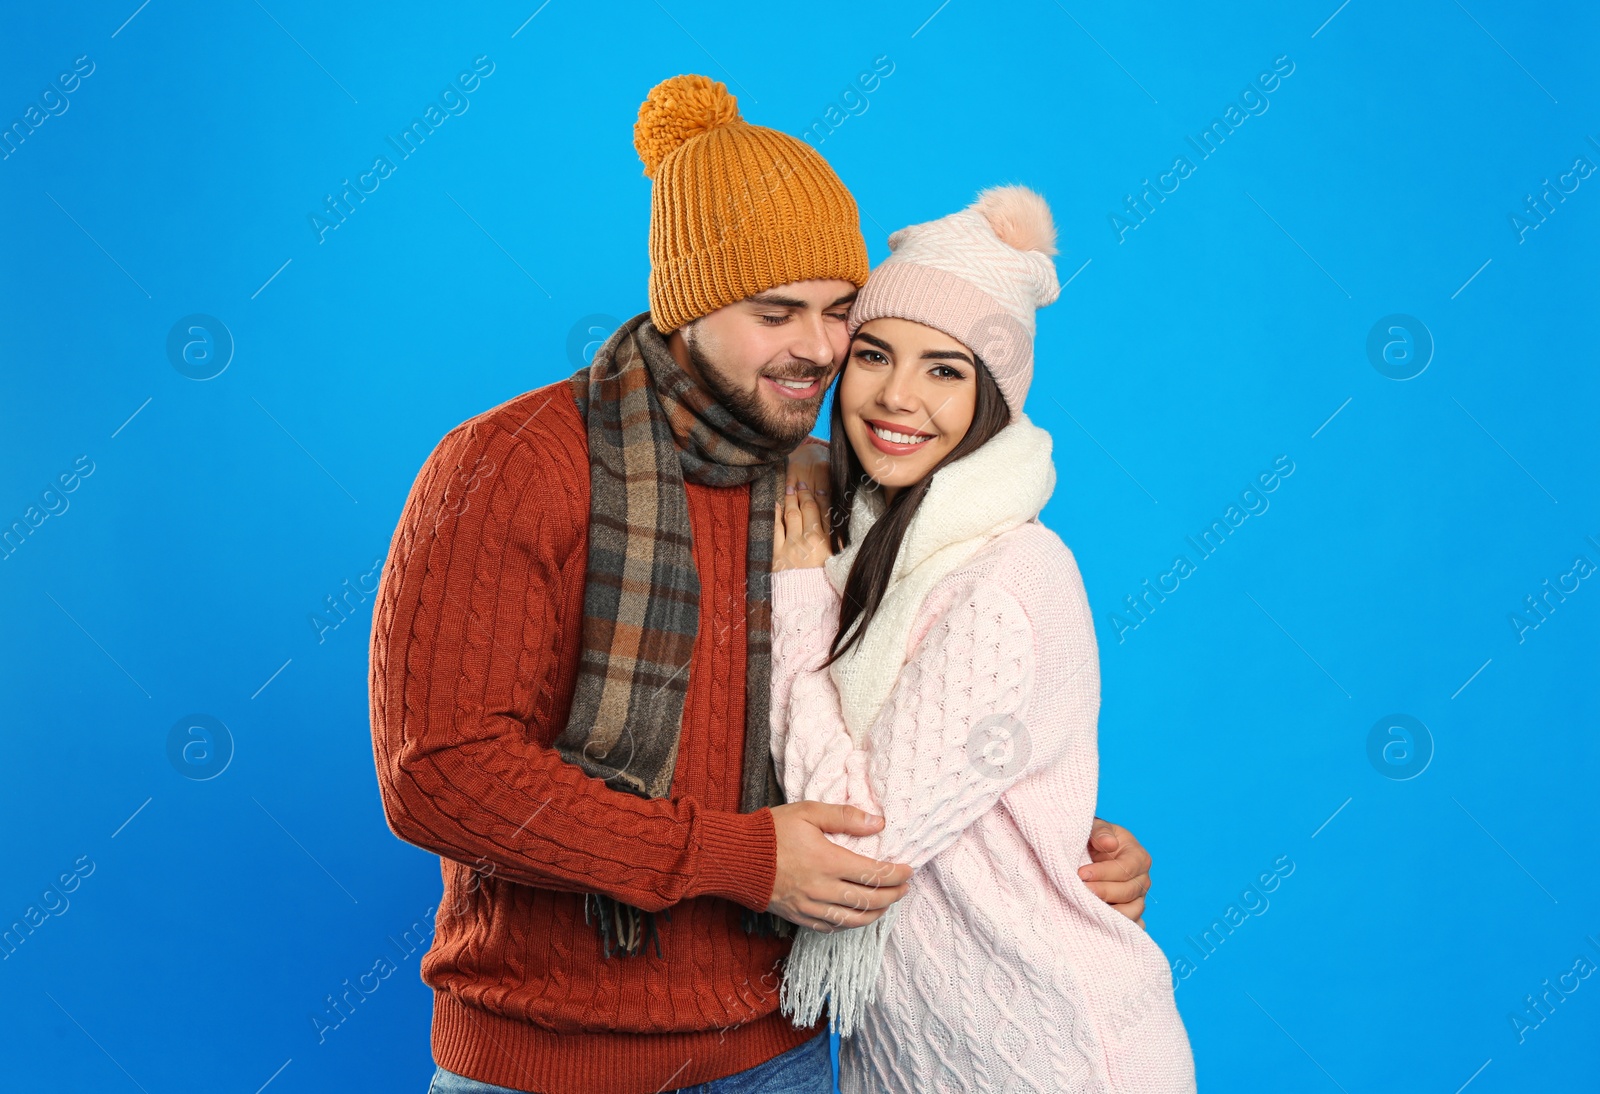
(570, 661)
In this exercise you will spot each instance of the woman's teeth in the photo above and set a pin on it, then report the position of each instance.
(898, 438)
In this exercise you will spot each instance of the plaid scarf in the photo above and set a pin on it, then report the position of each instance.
(651, 427)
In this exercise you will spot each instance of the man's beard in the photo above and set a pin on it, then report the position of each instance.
(748, 408)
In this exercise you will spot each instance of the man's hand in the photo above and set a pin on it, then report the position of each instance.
(821, 885)
(1120, 872)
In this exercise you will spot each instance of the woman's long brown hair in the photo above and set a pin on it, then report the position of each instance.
(869, 574)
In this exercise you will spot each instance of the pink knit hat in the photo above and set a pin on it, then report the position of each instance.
(978, 275)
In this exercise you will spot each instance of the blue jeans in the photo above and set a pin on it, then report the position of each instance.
(805, 1069)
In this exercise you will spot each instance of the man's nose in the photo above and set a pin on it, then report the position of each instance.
(811, 342)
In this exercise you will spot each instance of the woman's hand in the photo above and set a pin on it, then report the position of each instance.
(1120, 871)
(799, 529)
(809, 463)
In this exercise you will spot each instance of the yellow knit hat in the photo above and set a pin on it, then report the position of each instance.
(735, 209)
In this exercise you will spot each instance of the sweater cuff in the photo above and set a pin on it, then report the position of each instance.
(801, 587)
(738, 857)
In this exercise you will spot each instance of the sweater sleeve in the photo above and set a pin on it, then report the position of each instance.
(805, 616)
(951, 738)
(467, 630)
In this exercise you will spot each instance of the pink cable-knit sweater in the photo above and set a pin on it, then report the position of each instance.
(1002, 971)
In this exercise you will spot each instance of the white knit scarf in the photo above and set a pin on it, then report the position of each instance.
(1002, 485)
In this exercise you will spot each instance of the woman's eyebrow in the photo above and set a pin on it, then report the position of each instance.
(946, 355)
(872, 340)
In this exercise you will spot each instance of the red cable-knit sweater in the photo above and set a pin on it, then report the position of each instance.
(474, 659)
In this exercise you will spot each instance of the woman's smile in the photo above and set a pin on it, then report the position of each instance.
(895, 440)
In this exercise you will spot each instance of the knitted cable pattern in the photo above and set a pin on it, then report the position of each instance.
(474, 651)
(1003, 971)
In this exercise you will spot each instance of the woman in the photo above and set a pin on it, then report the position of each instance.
(934, 661)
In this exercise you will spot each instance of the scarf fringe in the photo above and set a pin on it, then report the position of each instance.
(622, 928)
(838, 970)
(627, 930)
(765, 924)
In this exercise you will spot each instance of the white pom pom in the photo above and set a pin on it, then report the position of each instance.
(1019, 216)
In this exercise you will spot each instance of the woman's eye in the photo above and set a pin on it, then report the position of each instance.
(869, 356)
(945, 372)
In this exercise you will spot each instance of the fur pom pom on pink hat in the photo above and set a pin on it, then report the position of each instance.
(979, 275)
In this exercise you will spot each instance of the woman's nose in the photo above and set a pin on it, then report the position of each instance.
(897, 392)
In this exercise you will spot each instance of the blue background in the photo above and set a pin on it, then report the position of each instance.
(181, 577)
